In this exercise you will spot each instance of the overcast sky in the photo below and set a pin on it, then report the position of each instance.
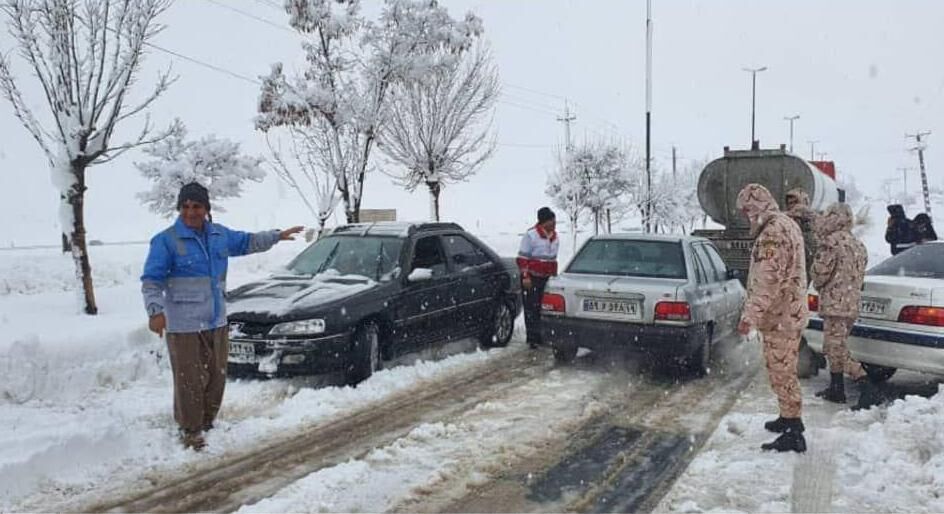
(859, 73)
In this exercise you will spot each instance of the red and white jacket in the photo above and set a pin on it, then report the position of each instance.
(537, 255)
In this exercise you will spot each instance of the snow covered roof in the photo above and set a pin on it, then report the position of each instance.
(637, 236)
(392, 228)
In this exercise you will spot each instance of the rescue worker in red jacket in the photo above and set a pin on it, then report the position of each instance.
(537, 260)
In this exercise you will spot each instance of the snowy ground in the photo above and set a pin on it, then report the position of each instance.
(86, 399)
(85, 407)
(880, 460)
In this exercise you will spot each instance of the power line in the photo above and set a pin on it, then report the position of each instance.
(250, 15)
(207, 65)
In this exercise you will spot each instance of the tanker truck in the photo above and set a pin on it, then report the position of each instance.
(777, 170)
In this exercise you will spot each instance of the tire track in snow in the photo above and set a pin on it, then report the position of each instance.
(224, 486)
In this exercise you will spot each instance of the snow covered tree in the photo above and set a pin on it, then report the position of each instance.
(300, 167)
(437, 130)
(566, 190)
(675, 206)
(342, 99)
(85, 56)
(593, 179)
(215, 163)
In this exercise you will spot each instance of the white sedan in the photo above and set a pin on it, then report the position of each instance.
(901, 315)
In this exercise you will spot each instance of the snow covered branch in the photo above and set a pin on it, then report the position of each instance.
(215, 163)
(438, 129)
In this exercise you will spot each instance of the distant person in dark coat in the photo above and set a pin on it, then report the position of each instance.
(923, 229)
(900, 232)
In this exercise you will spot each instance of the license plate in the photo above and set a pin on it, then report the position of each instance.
(622, 308)
(242, 353)
(872, 307)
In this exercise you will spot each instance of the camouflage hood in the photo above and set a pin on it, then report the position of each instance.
(837, 218)
(801, 209)
(758, 204)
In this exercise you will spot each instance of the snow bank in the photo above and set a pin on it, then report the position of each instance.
(880, 460)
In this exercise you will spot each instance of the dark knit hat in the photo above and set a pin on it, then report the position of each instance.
(195, 193)
(545, 214)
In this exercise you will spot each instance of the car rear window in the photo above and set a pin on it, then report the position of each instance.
(923, 261)
(656, 259)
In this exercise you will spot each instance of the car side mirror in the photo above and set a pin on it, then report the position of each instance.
(735, 274)
(420, 275)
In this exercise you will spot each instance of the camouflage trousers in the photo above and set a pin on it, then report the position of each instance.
(781, 349)
(835, 333)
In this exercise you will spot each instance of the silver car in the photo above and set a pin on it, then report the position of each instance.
(901, 315)
(667, 297)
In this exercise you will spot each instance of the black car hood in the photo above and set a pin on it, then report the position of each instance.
(281, 295)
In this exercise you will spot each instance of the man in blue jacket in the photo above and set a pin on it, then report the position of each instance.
(183, 285)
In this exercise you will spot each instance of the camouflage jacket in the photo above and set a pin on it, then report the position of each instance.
(776, 285)
(839, 266)
(805, 217)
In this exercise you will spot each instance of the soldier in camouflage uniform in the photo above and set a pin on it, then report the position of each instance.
(798, 208)
(838, 272)
(776, 307)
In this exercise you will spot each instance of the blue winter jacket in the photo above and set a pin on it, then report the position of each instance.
(185, 273)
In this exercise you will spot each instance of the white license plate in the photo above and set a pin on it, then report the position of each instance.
(872, 307)
(242, 353)
(624, 308)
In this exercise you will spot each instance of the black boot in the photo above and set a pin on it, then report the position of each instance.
(836, 392)
(870, 395)
(790, 440)
(780, 425)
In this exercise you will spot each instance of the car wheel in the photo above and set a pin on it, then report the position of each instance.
(807, 363)
(565, 353)
(502, 327)
(697, 364)
(365, 358)
(878, 374)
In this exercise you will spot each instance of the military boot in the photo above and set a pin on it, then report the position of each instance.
(780, 425)
(836, 392)
(790, 440)
(870, 395)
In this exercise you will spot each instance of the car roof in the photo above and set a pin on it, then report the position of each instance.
(393, 228)
(637, 236)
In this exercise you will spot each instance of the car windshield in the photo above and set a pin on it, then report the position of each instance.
(656, 259)
(923, 261)
(373, 257)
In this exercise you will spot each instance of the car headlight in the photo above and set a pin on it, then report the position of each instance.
(299, 328)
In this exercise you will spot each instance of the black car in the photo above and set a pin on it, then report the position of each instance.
(366, 293)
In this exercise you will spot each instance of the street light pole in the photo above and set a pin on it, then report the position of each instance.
(648, 220)
(791, 119)
(753, 72)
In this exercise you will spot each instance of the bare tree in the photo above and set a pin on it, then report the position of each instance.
(302, 169)
(86, 56)
(342, 98)
(438, 130)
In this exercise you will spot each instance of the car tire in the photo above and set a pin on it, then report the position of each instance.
(501, 326)
(878, 374)
(366, 356)
(807, 362)
(564, 353)
(698, 363)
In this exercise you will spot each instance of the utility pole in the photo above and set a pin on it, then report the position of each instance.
(568, 117)
(812, 149)
(753, 72)
(904, 179)
(791, 119)
(648, 221)
(919, 147)
(673, 163)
